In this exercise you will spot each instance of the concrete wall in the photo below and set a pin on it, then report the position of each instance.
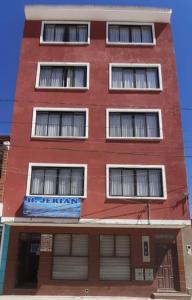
(187, 241)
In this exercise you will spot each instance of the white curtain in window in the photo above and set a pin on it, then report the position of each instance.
(67, 125)
(59, 33)
(57, 77)
(49, 33)
(54, 124)
(115, 125)
(115, 185)
(79, 125)
(124, 34)
(45, 76)
(155, 183)
(141, 78)
(117, 80)
(146, 34)
(128, 78)
(72, 33)
(50, 182)
(127, 126)
(136, 35)
(140, 127)
(142, 183)
(82, 30)
(152, 79)
(69, 76)
(152, 125)
(77, 182)
(37, 179)
(64, 182)
(114, 33)
(128, 182)
(79, 77)
(41, 124)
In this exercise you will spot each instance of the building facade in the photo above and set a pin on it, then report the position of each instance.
(96, 192)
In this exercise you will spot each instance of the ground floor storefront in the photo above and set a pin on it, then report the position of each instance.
(94, 261)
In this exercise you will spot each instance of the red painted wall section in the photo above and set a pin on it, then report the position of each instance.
(96, 151)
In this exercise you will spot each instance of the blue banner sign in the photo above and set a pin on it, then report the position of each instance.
(51, 207)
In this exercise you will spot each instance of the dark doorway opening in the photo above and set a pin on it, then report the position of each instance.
(167, 267)
(28, 260)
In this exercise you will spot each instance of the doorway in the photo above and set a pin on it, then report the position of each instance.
(167, 267)
(28, 260)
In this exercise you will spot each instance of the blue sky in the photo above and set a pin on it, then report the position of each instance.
(11, 28)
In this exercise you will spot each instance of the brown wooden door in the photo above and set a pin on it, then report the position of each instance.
(167, 270)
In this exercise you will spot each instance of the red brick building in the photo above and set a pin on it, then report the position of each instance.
(97, 154)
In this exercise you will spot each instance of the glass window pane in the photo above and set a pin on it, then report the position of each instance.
(115, 125)
(49, 32)
(128, 182)
(45, 76)
(82, 33)
(124, 34)
(59, 33)
(140, 125)
(37, 180)
(155, 183)
(62, 244)
(54, 124)
(72, 33)
(107, 245)
(115, 182)
(152, 125)
(147, 34)
(64, 182)
(152, 78)
(113, 33)
(142, 183)
(128, 78)
(79, 80)
(141, 78)
(79, 124)
(67, 124)
(57, 77)
(127, 125)
(80, 245)
(50, 181)
(77, 181)
(122, 245)
(117, 78)
(41, 124)
(136, 34)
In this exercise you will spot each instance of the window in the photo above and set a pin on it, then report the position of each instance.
(57, 180)
(139, 77)
(134, 124)
(136, 34)
(136, 182)
(115, 257)
(50, 75)
(65, 33)
(70, 256)
(60, 123)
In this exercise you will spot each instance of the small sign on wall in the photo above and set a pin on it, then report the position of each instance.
(145, 249)
(46, 242)
(149, 274)
(139, 274)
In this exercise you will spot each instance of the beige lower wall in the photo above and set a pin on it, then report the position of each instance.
(187, 249)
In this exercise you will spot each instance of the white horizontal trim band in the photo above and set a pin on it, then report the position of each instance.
(96, 13)
(94, 222)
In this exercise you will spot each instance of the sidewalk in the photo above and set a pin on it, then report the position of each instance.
(69, 298)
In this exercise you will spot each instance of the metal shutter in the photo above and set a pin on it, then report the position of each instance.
(115, 266)
(72, 266)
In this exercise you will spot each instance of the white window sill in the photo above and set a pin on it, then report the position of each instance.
(136, 89)
(60, 88)
(60, 137)
(136, 138)
(64, 43)
(136, 198)
(56, 196)
(130, 44)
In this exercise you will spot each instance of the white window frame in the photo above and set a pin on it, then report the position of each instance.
(131, 24)
(158, 111)
(31, 165)
(61, 64)
(43, 23)
(162, 167)
(133, 65)
(59, 109)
